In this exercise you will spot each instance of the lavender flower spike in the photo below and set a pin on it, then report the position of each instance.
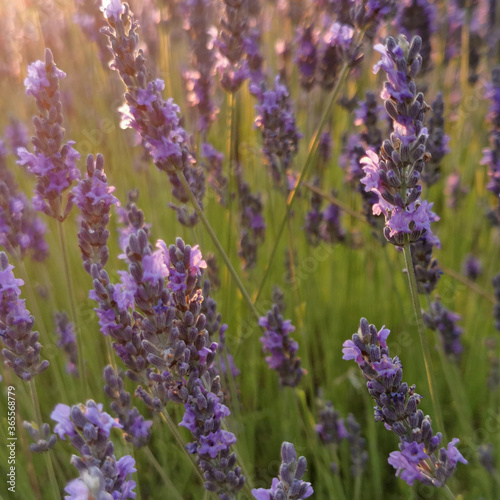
(156, 121)
(102, 476)
(288, 485)
(419, 457)
(22, 349)
(94, 198)
(283, 349)
(395, 175)
(53, 163)
(65, 331)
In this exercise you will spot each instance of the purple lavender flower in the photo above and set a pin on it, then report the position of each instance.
(395, 174)
(335, 47)
(289, 482)
(437, 143)
(43, 439)
(496, 310)
(94, 198)
(16, 134)
(331, 429)
(200, 80)
(21, 230)
(276, 121)
(53, 163)
(252, 224)
(232, 65)
(491, 156)
(212, 162)
(417, 18)
(136, 430)
(282, 348)
(88, 429)
(325, 146)
(397, 408)
(21, 347)
(427, 270)
(154, 119)
(472, 267)
(65, 331)
(306, 56)
(486, 456)
(203, 417)
(357, 444)
(440, 319)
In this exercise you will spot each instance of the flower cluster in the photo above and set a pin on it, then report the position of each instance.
(472, 267)
(156, 121)
(276, 121)
(397, 407)
(306, 56)
(16, 134)
(437, 143)
(289, 482)
(200, 80)
(282, 348)
(418, 18)
(394, 176)
(53, 163)
(440, 319)
(66, 340)
(102, 476)
(203, 417)
(93, 196)
(323, 225)
(43, 439)
(232, 65)
(427, 270)
(22, 349)
(212, 162)
(332, 430)
(252, 224)
(21, 230)
(491, 156)
(136, 430)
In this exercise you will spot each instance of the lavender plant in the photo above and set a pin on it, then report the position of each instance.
(288, 485)
(22, 232)
(419, 457)
(21, 350)
(282, 348)
(52, 163)
(154, 119)
(88, 428)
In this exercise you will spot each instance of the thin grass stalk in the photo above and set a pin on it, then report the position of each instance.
(47, 457)
(217, 244)
(69, 285)
(421, 332)
(152, 460)
(313, 146)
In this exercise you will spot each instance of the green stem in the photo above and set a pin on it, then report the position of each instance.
(69, 285)
(421, 331)
(313, 146)
(172, 490)
(448, 493)
(46, 455)
(217, 243)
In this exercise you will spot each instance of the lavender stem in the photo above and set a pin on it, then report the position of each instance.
(421, 330)
(217, 244)
(171, 488)
(69, 285)
(39, 422)
(313, 146)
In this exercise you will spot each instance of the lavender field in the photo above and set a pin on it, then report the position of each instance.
(250, 249)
